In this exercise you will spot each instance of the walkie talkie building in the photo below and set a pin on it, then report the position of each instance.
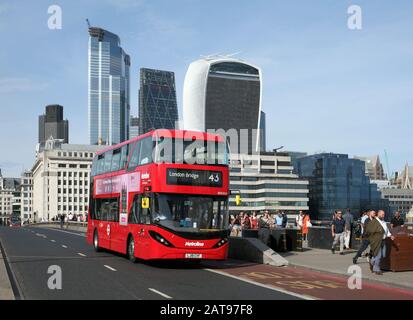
(224, 93)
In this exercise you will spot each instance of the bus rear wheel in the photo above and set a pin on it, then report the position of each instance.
(131, 249)
(96, 241)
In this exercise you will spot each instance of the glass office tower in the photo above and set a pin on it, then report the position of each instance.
(337, 182)
(157, 100)
(109, 87)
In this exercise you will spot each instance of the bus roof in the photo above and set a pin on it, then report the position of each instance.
(168, 133)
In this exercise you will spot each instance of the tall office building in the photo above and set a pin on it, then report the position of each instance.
(109, 88)
(224, 93)
(338, 182)
(157, 100)
(51, 124)
(263, 132)
(133, 127)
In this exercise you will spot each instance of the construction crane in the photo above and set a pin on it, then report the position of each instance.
(88, 23)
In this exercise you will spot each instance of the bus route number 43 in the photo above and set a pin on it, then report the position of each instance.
(214, 178)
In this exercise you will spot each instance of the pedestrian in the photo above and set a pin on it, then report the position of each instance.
(337, 231)
(264, 232)
(254, 221)
(278, 221)
(349, 220)
(62, 220)
(397, 220)
(236, 226)
(377, 232)
(299, 219)
(247, 222)
(285, 220)
(265, 221)
(306, 225)
(365, 219)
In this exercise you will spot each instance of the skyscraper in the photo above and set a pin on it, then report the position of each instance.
(224, 93)
(133, 127)
(338, 182)
(109, 88)
(51, 124)
(263, 132)
(157, 100)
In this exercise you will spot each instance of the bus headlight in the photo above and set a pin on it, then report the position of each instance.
(160, 239)
(220, 243)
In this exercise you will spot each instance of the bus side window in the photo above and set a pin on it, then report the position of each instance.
(116, 160)
(146, 147)
(134, 159)
(108, 161)
(124, 156)
(100, 164)
(134, 211)
(114, 207)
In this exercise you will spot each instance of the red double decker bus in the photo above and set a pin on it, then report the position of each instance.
(162, 195)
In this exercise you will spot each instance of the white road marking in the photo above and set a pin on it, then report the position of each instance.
(64, 246)
(160, 293)
(81, 254)
(109, 267)
(301, 296)
(76, 234)
(53, 240)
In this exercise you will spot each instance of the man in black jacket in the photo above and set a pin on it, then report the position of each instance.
(364, 240)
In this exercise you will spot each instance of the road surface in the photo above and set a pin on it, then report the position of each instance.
(87, 274)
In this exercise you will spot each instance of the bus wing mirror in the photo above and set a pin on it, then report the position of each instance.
(145, 203)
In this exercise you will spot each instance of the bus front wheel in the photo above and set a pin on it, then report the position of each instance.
(96, 241)
(131, 249)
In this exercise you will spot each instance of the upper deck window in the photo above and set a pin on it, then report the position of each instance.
(171, 150)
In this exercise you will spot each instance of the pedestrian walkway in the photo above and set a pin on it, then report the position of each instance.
(309, 284)
(324, 260)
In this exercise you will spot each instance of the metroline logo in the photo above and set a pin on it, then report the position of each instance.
(194, 244)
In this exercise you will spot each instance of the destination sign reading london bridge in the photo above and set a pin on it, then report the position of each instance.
(204, 178)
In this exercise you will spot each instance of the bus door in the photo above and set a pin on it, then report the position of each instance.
(144, 223)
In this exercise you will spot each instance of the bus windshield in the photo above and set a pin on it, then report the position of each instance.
(193, 212)
(171, 150)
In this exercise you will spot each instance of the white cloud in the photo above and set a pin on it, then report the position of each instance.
(11, 85)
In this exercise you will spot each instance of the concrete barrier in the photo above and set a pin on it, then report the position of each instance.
(321, 238)
(72, 225)
(253, 250)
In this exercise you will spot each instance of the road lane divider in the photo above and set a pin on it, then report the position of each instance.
(160, 293)
(109, 267)
(52, 240)
(81, 254)
(64, 246)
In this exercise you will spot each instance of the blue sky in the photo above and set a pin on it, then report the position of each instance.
(325, 87)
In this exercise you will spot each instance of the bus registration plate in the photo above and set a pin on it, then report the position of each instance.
(193, 255)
